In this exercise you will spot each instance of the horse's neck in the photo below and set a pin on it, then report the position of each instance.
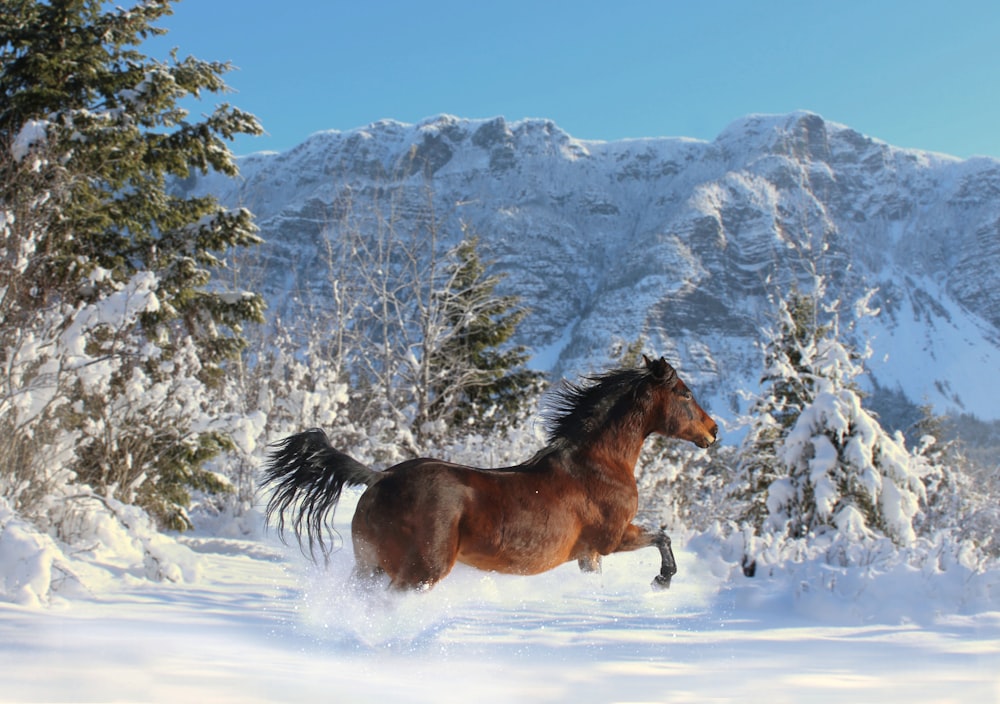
(613, 450)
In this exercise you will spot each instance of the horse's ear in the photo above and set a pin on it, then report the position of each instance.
(659, 368)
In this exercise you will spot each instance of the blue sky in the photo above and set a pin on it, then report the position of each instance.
(913, 73)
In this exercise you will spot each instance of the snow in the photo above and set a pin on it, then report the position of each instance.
(33, 132)
(27, 559)
(942, 359)
(257, 623)
(545, 357)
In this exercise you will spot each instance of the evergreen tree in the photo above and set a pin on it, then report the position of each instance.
(815, 460)
(110, 133)
(786, 388)
(479, 381)
(91, 135)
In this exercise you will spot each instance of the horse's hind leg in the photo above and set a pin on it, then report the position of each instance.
(590, 563)
(407, 525)
(405, 572)
(367, 575)
(367, 579)
(414, 558)
(423, 565)
(419, 575)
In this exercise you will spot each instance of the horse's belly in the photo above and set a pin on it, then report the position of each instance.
(513, 551)
(513, 564)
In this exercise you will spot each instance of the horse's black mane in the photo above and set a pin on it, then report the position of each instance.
(575, 410)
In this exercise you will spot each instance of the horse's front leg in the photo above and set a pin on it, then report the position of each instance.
(636, 537)
(668, 565)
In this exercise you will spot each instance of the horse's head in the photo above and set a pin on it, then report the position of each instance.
(674, 412)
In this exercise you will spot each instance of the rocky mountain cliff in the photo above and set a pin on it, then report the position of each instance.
(677, 240)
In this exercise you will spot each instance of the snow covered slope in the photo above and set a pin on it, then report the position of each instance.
(678, 240)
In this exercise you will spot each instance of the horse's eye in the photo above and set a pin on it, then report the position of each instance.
(687, 395)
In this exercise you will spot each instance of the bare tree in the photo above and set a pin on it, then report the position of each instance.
(411, 320)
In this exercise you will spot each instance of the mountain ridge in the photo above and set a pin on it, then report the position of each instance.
(677, 240)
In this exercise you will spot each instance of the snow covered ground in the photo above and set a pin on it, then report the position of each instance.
(254, 622)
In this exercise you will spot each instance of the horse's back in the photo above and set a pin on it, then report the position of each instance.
(425, 484)
(425, 464)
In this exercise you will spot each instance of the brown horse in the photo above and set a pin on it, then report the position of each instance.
(574, 500)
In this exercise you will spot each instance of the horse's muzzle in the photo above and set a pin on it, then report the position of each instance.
(710, 438)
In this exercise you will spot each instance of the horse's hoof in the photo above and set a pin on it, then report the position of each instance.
(661, 582)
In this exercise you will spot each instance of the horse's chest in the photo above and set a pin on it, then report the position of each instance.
(608, 510)
(612, 500)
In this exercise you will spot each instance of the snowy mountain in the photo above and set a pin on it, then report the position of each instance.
(679, 240)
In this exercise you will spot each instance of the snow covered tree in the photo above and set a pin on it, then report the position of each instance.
(786, 388)
(478, 382)
(944, 481)
(108, 133)
(91, 134)
(958, 502)
(815, 461)
(845, 473)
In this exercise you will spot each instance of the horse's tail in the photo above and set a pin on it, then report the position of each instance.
(305, 468)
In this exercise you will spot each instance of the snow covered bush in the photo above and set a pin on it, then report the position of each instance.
(683, 486)
(89, 539)
(296, 384)
(960, 502)
(93, 401)
(288, 384)
(104, 530)
(843, 472)
(29, 560)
